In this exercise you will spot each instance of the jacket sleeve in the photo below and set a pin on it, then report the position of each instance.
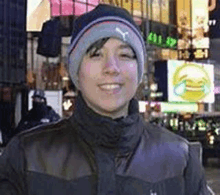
(195, 181)
(12, 180)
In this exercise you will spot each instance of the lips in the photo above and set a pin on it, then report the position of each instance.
(110, 87)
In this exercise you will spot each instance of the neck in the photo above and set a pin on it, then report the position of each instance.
(120, 112)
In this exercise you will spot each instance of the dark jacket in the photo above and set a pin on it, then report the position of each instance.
(127, 157)
(34, 118)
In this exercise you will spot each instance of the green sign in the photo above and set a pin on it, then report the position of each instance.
(160, 41)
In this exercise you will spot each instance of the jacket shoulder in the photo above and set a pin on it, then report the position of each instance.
(164, 135)
(167, 143)
(45, 133)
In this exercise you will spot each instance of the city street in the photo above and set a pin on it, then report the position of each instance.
(213, 175)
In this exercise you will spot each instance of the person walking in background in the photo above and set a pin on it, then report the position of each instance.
(105, 147)
(40, 113)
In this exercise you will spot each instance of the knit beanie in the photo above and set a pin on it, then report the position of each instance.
(102, 22)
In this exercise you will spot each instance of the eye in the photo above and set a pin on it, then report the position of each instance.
(127, 55)
(189, 81)
(95, 54)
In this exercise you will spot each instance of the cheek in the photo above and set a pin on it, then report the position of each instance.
(132, 72)
(87, 74)
(86, 68)
(133, 66)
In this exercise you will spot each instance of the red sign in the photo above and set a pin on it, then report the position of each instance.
(69, 7)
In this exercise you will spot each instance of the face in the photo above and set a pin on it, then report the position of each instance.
(38, 99)
(108, 78)
(190, 86)
(37, 102)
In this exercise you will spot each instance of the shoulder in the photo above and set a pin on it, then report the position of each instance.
(39, 141)
(50, 108)
(46, 134)
(163, 139)
(51, 111)
(163, 134)
(160, 148)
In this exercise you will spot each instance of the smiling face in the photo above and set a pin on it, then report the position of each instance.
(108, 78)
(191, 82)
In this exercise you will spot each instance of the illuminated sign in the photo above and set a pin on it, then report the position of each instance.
(217, 90)
(160, 41)
(159, 34)
(190, 82)
(212, 5)
(38, 12)
(184, 24)
(179, 107)
(70, 7)
(151, 9)
(136, 7)
(156, 94)
(158, 8)
(193, 29)
(169, 107)
(145, 105)
(193, 54)
(200, 26)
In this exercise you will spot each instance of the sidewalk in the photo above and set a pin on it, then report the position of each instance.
(213, 174)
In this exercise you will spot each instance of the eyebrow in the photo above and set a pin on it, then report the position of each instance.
(124, 46)
(182, 77)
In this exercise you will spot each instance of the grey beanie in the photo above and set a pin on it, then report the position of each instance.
(102, 22)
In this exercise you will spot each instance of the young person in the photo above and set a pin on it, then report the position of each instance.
(105, 147)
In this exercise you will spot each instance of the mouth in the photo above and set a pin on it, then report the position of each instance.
(110, 87)
(193, 88)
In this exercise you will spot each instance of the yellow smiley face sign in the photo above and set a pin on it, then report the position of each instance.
(191, 82)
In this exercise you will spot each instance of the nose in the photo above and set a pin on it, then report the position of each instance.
(111, 66)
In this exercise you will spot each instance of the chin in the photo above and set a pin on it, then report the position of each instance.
(118, 110)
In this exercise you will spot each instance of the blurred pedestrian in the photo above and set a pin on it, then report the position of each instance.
(105, 147)
(40, 113)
